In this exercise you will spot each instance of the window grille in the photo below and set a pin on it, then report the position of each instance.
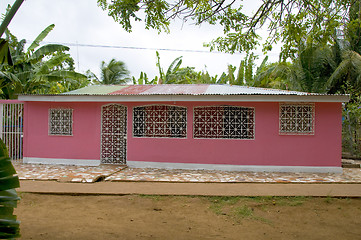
(297, 118)
(61, 122)
(160, 121)
(228, 122)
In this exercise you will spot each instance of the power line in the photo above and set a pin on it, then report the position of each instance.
(147, 48)
(132, 48)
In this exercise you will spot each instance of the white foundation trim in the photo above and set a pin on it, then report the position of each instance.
(242, 168)
(79, 162)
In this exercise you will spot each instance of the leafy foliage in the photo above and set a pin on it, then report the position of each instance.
(175, 74)
(143, 79)
(308, 73)
(5, 56)
(39, 69)
(290, 22)
(348, 71)
(114, 72)
(351, 128)
(9, 226)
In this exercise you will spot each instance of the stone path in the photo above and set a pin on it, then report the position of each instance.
(64, 173)
(111, 173)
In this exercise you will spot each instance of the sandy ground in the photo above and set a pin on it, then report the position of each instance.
(45, 216)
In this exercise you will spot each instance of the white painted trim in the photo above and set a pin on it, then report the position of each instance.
(241, 168)
(185, 98)
(63, 161)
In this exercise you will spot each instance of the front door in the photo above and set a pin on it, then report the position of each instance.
(114, 134)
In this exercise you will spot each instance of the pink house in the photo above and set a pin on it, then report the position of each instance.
(219, 127)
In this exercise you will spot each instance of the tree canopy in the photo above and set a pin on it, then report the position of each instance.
(287, 21)
(38, 69)
(114, 72)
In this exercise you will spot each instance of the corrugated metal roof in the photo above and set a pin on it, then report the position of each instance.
(182, 92)
(230, 90)
(180, 89)
(97, 89)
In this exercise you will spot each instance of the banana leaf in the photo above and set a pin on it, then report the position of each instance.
(9, 226)
(48, 50)
(5, 56)
(40, 37)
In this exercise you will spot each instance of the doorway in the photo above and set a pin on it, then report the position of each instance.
(114, 134)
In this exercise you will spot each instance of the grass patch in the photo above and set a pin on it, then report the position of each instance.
(217, 209)
(246, 212)
(281, 201)
(242, 212)
(329, 199)
(218, 203)
(223, 200)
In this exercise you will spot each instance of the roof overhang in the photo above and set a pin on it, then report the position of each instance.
(186, 98)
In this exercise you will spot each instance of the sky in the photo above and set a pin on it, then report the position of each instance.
(82, 22)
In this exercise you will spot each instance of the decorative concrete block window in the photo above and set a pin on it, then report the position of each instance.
(227, 122)
(61, 121)
(297, 119)
(160, 121)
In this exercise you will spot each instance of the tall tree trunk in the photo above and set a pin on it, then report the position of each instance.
(10, 16)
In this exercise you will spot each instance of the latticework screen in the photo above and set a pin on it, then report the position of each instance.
(61, 121)
(160, 121)
(113, 135)
(229, 122)
(297, 118)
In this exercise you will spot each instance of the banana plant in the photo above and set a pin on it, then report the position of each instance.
(143, 79)
(38, 68)
(172, 75)
(9, 226)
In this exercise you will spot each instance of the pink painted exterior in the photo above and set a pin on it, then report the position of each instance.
(267, 149)
(10, 101)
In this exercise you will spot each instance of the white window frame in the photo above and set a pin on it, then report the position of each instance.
(69, 122)
(283, 129)
(252, 119)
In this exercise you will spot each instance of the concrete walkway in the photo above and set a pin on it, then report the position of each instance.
(114, 173)
(199, 189)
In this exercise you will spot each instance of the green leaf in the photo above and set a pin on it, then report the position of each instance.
(5, 56)
(48, 50)
(9, 194)
(6, 211)
(40, 38)
(9, 182)
(6, 171)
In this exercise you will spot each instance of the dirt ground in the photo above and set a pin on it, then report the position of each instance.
(166, 217)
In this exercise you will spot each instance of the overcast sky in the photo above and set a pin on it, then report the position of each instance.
(83, 22)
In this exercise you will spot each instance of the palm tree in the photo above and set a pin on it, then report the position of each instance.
(309, 72)
(37, 69)
(114, 72)
(347, 73)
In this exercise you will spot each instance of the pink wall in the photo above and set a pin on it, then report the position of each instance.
(10, 101)
(268, 147)
(84, 144)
